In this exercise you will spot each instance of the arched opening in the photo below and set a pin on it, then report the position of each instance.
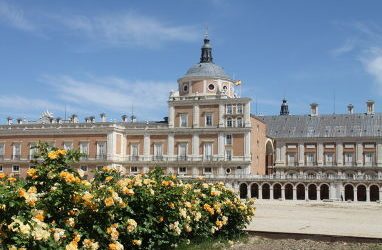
(268, 157)
(243, 191)
(324, 192)
(300, 192)
(254, 190)
(288, 192)
(349, 192)
(374, 193)
(266, 191)
(312, 192)
(276, 191)
(361, 193)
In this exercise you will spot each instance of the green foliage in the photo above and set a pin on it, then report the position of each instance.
(56, 208)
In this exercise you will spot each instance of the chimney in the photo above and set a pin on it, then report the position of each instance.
(124, 118)
(103, 117)
(350, 109)
(133, 118)
(19, 120)
(58, 120)
(9, 120)
(51, 120)
(74, 118)
(87, 120)
(313, 109)
(370, 107)
(92, 119)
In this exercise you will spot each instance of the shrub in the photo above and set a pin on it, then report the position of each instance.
(54, 207)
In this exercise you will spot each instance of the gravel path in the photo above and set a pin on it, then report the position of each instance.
(261, 243)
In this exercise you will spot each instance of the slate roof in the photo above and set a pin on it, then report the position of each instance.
(207, 70)
(336, 125)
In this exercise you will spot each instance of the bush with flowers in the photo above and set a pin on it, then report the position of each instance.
(54, 207)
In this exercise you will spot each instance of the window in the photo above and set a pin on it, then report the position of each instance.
(1, 151)
(228, 154)
(348, 159)
(239, 122)
(229, 122)
(369, 159)
(208, 151)
(182, 151)
(182, 170)
(208, 119)
(15, 169)
(158, 154)
(291, 159)
(1, 168)
(329, 158)
(68, 145)
(101, 150)
(309, 159)
(228, 109)
(84, 149)
(32, 150)
(183, 120)
(133, 169)
(16, 151)
(84, 168)
(239, 109)
(134, 152)
(228, 139)
(185, 88)
(211, 87)
(207, 170)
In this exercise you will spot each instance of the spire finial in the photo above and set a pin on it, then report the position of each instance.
(206, 56)
(206, 32)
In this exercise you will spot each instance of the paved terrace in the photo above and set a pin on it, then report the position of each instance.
(325, 218)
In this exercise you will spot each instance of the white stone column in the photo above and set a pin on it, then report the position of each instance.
(368, 194)
(195, 146)
(294, 193)
(318, 190)
(355, 194)
(248, 191)
(247, 145)
(111, 149)
(283, 152)
(146, 147)
(247, 114)
(170, 147)
(278, 155)
(221, 115)
(306, 193)
(379, 155)
(340, 154)
(195, 114)
(359, 154)
(221, 141)
(301, 154)
(271, 193)
(320, 154)
(283, 193)
(171, 116)
(260, 193)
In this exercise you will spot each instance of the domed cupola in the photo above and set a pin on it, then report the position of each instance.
(206, 78)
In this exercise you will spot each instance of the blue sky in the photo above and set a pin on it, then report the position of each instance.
(105, 56)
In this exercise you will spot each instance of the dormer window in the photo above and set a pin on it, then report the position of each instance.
(185, 88)
(211, 87)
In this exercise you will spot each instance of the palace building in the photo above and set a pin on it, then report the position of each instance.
(210, 132)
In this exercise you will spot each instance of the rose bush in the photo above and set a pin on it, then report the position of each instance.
(54, 207)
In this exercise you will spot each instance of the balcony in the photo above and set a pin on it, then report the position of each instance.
(16, 157)
(158, 158)
(186, 158)
(101, 157)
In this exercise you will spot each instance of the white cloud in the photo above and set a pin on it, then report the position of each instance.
(347, 47)
(129, 29)
(112, 93)
(15, 17)
(373, 66)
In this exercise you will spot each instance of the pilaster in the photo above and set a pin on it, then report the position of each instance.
(359, 154)
(340, 154)
(196, 116)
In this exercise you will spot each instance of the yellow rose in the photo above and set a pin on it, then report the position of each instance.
(109, 201)
(137, 242)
